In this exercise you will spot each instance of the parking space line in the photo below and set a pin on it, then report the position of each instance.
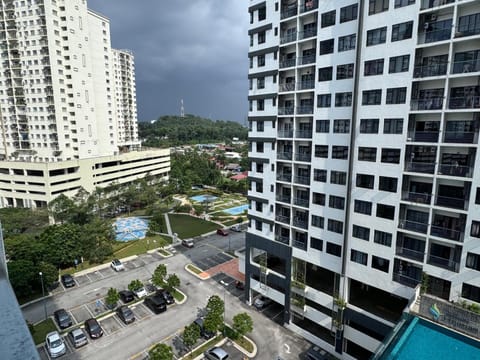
(73, 317)
(46, 352)
(100, 273)
(88, 277)
(122, 324)
(281, 312)
(86, 307)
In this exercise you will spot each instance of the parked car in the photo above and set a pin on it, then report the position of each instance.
(261, 302)
(216, 353)
(67, 280)
(156, 303)
(222, 232)
(169, 299)
(239, 285)
(126, 296)
(126, 314)
(55, 345)
(140, 292)
(93, 328)
(62, 318)
(78, 337)
(236, 228)
(117, 265)
(188, 243)
(203, 333)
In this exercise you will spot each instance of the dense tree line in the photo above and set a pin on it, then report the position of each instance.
(174, 130)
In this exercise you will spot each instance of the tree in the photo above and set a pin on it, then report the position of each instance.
(50, 273)
(62, 244)
(159, 275)
(112, 298)
(242, 324)
(173, 281)
(215, 310)
(23, 275)
(61, 208)
(161, 352)
(135, 284)
(191, 334)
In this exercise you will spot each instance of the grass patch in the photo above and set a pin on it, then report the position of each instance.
(205, 346)
(164, 252)
(195, 269)
(141, 246)
(41, 330)
(187, 226)
(244, 343)
(178, 295)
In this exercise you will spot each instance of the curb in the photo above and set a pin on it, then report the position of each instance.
(102, 266)
(197, 275)
(243, 351)
(36, 300)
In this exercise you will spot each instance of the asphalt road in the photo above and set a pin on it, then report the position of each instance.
(131, 341)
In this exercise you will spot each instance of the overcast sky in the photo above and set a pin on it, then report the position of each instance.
(195, 50)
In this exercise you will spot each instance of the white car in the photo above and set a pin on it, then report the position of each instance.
(261, 302)
(140, 292)
(55, 345)
(117, 265)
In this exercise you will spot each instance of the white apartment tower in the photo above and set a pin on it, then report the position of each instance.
(65, 95)
(364, 121)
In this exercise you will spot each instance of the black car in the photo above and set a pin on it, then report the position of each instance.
(126, 296)
(156, 303)
(203, 333)
(166, 296)
(126, 314)
(62, 318)
(239, 285)
(67, 280)
(93, 328)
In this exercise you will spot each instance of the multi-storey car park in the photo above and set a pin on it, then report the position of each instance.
(68, 112)
(364, 123)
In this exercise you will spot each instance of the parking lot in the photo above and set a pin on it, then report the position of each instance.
(211, 261)
(228, 283)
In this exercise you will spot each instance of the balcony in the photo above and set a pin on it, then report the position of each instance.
(284, 198)
(428, 4)
(285, 133)
(423, 136)
(304, 180)
(430, 70)
(289, 37)
(288, 11)
(464, 102)
(284, 155)
(413, 226)
(309, 5)
(410, 253)
(300, 244)
(287, 63)
(420, 167)
(288, 110)
(308, 59)
(443, 263)
(451, 202)
(300, 222)
(306, 109)
(465, 66)
(283, 239)
(286, 177)
(303, 134)
(466, 137)
(469, 30)
(436, 31)
(406, 280)
(455, 170)
(446, 233)
(433, 103)
(301, 202)
(306, 85)
(421, 198)
(306, 157)
(307, 33)
(283, 219)
(286, 87)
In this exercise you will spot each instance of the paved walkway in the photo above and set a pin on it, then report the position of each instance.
(229, 268)
(167, 222)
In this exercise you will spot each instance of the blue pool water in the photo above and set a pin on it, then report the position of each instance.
(133, 228)
(202, 198)
(427, 341)
(237, 210)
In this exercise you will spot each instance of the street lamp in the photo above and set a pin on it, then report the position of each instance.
(43, 295)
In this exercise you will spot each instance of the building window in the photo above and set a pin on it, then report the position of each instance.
(321, 151)
(340, 152)
(385, 211)
(336, 202)
(377, 6)
(318, 199)
(392, 126)
(361, 232)
(258, 225)
(326, 46)
(477, 196)
(377, 36)
(396, 95)
(260, 147)
(365, 181)
(399, 64)
(322, 126)
(343, 99)
(345, 71)
(328, 18)
(373, 67)
(346, 43)
(367, 154)
(260, 105)
(475, 229)
(469, 24)
(324, 100)
(402, 31)
(363, 207)
(335, 226)
(341, 126)
(320, 175)
(262, 13)
(325, 74)
(316, 243)
(387, 184)
(334, 249)
(260, 60)
(382, 238)
(338, 177)
(348, 13)
(390, 156)
(318, 221)
(261, 37)
(473, 261)
(402, 3)
(261, 83)
(260, 126)
(470, 292)
(369, 126)
(380, 263)
(358, 257)
(372, 97)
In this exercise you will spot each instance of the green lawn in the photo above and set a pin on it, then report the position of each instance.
(141, 246)
(41, 330)
(187, 226)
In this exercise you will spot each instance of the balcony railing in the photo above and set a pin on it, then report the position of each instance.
(470, 30)
(307, 109)
(464, 102)
(423, 136)
(286, 87)
(420, 167)
(285, 133)
(309, 5)
(455, 170)
(305, 85)
(443, 263)
(288, 11)
(301, 202)
(289, 110)
(465, 67)
(300, 244)
(284, 177)
(422, 198)
(283, 219)
(303, 157)
(282, 239)
(446, 233)
(303, 134)
(300, 223)
(435, 35)
(411, 254)
(451, 202)
(430, 70)
(304, 180)
(433, 103)
(287, 63)
(406, 280)
(307, 33)
(284, 155)
(466, 137)
(284, 198)
(304, 60)
(413, 226)
(286, 38)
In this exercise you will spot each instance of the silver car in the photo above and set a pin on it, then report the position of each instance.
(216, 353)
(78, 337)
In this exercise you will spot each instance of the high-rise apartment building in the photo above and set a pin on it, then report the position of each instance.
(67, 104)
(364, 123)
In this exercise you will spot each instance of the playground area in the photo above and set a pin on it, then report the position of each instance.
(131, 228)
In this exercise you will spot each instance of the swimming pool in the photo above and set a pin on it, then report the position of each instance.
(237, 210)
(202, 198)
(132, 228)
(427, 341)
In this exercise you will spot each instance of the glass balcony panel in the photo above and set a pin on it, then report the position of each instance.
(430, 70)
(304, 180)
(306, 85)
(301, 202)
(410, 253)
(455, 170)
(422, 198)
(300, 223)
(283, 239)
(443, 263)
(427, 4)
(307, 33)
(288, 110)
(423, 136)
(304, 60)
(300, 244)
(289, 37)
(284, 155)
(285, 133)
(287, 63)
(304, 109)
(433, 103)
(303, 134)
(464, 102)
(421, 167)
(287, 87)
(406, 280)
(413, 226)
(450, 202)
(466, 66)
(283, 219)
(446, 233)
(288, 11)
(284, 198)
(466, 137)
(307, 157)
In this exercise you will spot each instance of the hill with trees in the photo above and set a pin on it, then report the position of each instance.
(173, 130)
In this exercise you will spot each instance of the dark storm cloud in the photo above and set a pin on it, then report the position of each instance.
(190, 49)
